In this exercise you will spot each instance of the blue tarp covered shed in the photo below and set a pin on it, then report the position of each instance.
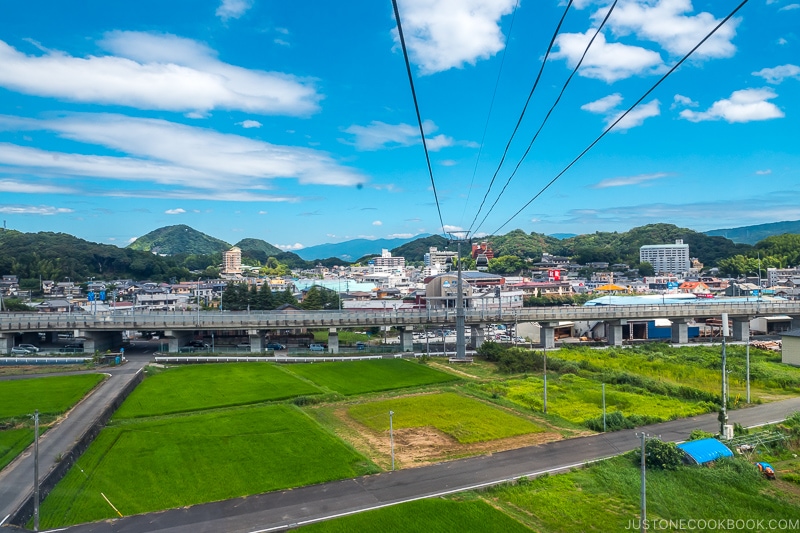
(705, 450)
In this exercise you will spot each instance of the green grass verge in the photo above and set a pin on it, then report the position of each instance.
(360, 377)
(605, 497)
(465, 419)
(50, 395)
(578, 399)
(196, 387)
(424, 516)
(149, 465)
(12, 442)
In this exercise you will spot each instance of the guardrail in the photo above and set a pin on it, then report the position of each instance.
(258, 359)
(13, 361)
(321, 319)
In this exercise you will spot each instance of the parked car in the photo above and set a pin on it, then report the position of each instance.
(187, 349)
(275, 346)
(30, 347)
(74, 345)
(316, 348)
(16, 350)
(198, 344)
(361, 345)
(243, 345)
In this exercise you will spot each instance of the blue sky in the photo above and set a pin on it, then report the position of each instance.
(294, 123)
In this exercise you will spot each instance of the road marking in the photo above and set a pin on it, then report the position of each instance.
(4, 520)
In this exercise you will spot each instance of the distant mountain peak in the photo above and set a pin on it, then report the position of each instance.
(178, 239)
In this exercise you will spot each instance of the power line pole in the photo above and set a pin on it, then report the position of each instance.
(643, 502)
(36, 470)
(724, 414)
(461, 345)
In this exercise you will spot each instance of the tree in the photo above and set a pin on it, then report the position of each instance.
(506, 264)
(646, 269)
(660, 454)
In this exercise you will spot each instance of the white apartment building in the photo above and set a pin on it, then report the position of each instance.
(666, 258)
(386, 260)
(436, 257)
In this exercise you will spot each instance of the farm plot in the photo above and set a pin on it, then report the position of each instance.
(50, 395)
(424, 516)
(198, 387)
(579, 400)
(464, 419)
(12, 442)
(155, 464)
(360, 377)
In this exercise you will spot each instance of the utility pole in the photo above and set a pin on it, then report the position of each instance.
(391, 436)
(461, 350)
(544, 370)
(643, 522)
(724, 414)
(36, 470)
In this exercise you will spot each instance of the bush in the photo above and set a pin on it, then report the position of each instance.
(661, 455)
(698, 434)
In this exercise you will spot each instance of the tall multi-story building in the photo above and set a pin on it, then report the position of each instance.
(232, 261)
(386, 260)
(666, 258)
(436, 257)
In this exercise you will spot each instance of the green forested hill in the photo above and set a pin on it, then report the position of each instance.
(258, 249)
(624, 247)
(180, 239)
(759, 232)
(57, 256)
(521, 244)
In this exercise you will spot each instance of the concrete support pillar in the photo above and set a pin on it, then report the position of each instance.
(6, 343)
(177, 339)
(101, 341)
(795, 322)
(741, 328)
(477, 336)
(680, 331)
(333, 341)
(547, 337)
(256, 338)
(615, 332)
(406, 339)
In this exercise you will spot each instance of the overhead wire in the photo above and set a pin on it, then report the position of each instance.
(416, 108)
(549, 112)
(491, 107)
(524, 109)
(623, 115)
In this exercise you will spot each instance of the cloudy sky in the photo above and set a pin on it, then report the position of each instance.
(294, 123)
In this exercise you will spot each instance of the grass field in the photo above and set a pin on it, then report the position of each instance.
(695, 366)
(463, 418)
(196, 387)
(605, 497)
(360, 377)
(149, 465)
(12, 442)
(578, 399)
(423, 516)
(50, 395)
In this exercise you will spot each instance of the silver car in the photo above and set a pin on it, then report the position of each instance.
(16, 350)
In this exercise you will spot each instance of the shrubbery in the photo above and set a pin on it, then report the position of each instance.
(660, 454)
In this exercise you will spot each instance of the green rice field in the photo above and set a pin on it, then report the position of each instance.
(465, 419)
(12, 442)
(197, 387)
(50, 395)
(423, 516)
(149, 465)
(578, 399)
(360, 377)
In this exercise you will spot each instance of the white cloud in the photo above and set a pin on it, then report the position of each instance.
(790, 7)
(636, 117)
(782, 41)
(263, 212)
(625, 181)
(249, 124)
(132, 239)
(8, 185)
(379, 135)
(45, 210)
(178, 211)
(448, 163)
(764, 172)
(400, 236)
(167, 153)
(746, 105)
(447, 228)
(445, 34)
(606, 61)
(603, 104)
(667, 23)
(288, 247)
(776, 75)
(156, 71)
(377, 223)
(683, 101)
(233, 9)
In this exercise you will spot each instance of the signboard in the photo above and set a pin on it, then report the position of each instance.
(103, 295)
(446, 284)
(90, 296)
(672, 284)
(554, 275)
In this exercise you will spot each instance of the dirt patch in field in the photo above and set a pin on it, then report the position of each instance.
(423, 445)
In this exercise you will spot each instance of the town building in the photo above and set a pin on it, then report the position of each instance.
(386, 260)
(666, 258)
(437, 257)
(232, 261)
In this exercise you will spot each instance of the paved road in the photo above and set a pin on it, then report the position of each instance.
(16, 480)
(278, 510)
